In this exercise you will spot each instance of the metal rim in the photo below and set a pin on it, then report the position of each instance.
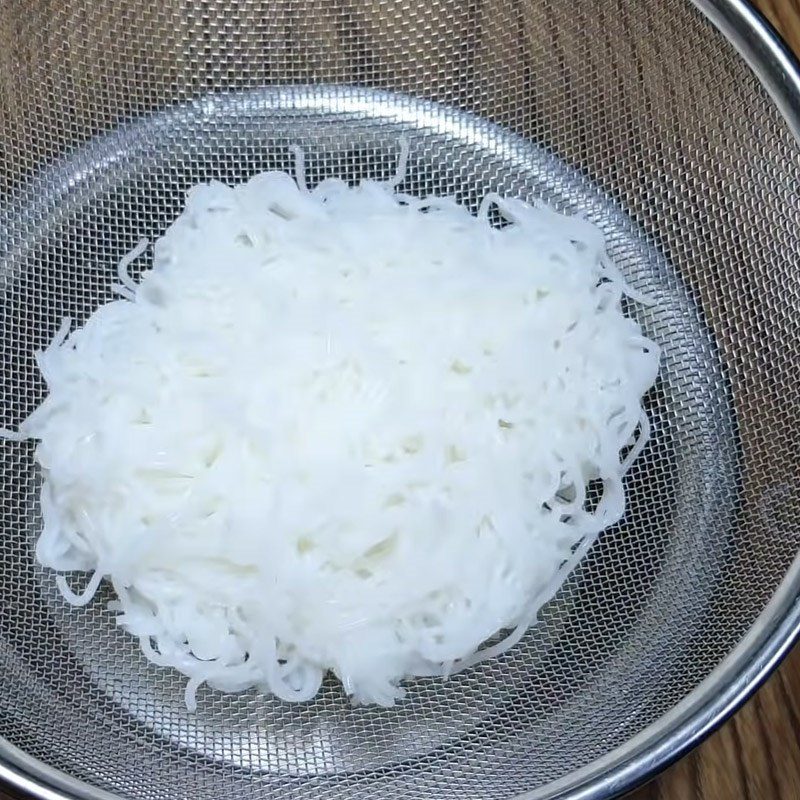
(745, 669)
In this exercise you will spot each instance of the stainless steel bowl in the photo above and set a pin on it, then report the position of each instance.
(672, 125)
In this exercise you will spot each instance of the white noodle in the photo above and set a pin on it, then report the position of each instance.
(299, 167)
(402, 164)
(85, 597)
(342, 429)
(127, 260)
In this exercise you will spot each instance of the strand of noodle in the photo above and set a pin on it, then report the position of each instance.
(51, 539)
(73, 536)
(494, 199)
(127, 260)
(611, 505)
(152, 654)
(277, 682)
(42, 356)
(639, 444)
(310, 681)
(190, 692)
(13, 436)
(500, 647)
(541, 599)
(506, 210)
(60, 335)
(123, 291)
(278, 676)
(201, 674)
(613, 272)
(491, 199)
(637, 296)
(183, 661)
(122, 593)
(88, 593)
(402, 164)
(299, 168)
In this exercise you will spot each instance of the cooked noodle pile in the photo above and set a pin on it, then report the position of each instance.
(342, 429)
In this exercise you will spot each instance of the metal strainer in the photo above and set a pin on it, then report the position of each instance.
(637, 112)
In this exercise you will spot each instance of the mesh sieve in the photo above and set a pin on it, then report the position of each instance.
(639, 113)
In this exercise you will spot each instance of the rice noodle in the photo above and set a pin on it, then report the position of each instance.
(340, 428)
